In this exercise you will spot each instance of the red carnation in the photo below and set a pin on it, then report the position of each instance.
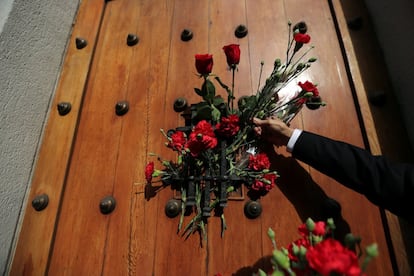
(229, 126)
(178, 141)
(331, 257)
(261, 185)
(258, 185)
(232, 52)
(201, 138)
(204, 63)
(259, 162)
(309, 87)
(301, 38)
(149, 170)
(204, 128)
(270, 177)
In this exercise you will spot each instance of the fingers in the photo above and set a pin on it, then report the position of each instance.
(258, 130)
(259, 122)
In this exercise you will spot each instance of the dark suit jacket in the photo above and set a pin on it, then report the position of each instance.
(385, 183)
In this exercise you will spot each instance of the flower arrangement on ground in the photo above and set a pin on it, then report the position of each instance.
(217, 151)
(317, 252)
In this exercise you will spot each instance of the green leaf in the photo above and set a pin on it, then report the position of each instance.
(208, 90)
(215, 114)
(199, 92)
(217, 101)
(247, 102)
(203, 111)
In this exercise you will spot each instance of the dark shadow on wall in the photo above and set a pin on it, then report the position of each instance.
(384, 107)
(311, 202)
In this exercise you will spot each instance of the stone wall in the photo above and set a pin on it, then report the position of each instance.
(33, 38)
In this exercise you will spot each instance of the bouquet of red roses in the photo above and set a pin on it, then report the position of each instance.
(217, 150)
(318, 253)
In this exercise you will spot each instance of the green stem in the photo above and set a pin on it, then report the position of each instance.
(260, 76)
(183, 200)
(223, 225)
(233, 69)
(240, 140)
(365, 263)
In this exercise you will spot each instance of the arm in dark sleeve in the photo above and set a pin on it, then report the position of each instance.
(386, 184)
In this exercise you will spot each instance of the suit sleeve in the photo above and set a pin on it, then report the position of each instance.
(387, 184)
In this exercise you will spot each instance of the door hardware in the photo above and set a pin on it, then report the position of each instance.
(186, 35)
(81, 43)
(107, 205)
(40, 202)
(172, 208)
(121, 108)
(252, 209)
(241, 31)
(180, 104)
(64, 108)
(132, 40)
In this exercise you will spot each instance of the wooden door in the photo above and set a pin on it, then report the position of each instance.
(92, 152)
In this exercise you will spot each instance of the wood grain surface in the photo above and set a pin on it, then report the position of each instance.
(37, 232)
(109, 152)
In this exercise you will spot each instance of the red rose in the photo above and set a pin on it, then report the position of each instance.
(201, 138)
(178, 141)
(301, 38)
(204, 63)
(149, 170)
(229, 126)
(309, 87)
(232, 52)
(259, 162)
(319, 230)
(331, 257)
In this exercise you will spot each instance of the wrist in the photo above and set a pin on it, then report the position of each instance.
(287, 132)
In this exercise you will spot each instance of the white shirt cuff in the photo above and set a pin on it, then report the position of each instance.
(292, 140)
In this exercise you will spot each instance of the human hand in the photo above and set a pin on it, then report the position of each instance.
(273, 130)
